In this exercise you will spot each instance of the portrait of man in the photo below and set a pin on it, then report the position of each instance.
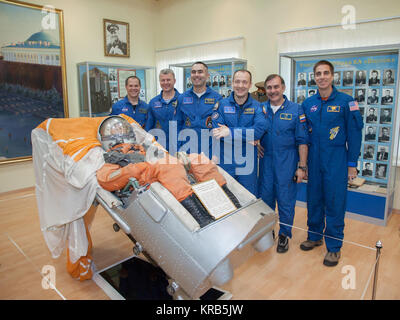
(222, 82)
(383, 153)
(380, 171)
(372, 116)
(373, 96)
(188, 83)
(386, 116)
(370, 133)
(374, 78)
(362, 111)
(301, 96)
(387, 96)
(360, 95)
(367, 170)
(361, 77)
(388, 78)
(302, 79)
(369, 151)
(384, 134)
(336, 78)
(311, 80)
(215, 81)
(348, 78)
(116, 38)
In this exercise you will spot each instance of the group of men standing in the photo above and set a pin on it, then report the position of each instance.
(319, 141)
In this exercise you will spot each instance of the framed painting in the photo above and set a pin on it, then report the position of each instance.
(32, 74)
(116, 38)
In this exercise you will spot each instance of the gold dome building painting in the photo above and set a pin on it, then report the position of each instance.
(32, 75)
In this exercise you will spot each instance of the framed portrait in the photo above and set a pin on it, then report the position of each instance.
(32, 74)
(116, 38)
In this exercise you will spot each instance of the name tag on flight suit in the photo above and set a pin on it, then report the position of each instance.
(248, 111)
(209, 100)
(285, 116)
(142, 110)
(333, 109)
(187, 100)
(228, 109)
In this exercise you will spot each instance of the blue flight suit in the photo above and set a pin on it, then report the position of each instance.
(160, 113)
(138, 112)
(195, 113)
(286, 130)
(335, 141)
(246, 123)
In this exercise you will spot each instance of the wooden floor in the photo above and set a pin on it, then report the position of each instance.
(269, 275)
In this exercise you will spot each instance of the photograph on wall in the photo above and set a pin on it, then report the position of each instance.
(116, 38)
(371, 80)
(220, 78)
(32, 74)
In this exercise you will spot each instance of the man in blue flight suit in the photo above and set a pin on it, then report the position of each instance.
(195, 107)
(283, 153)
(238, 122)
(162, 109)
(335, 125)
(131, 105)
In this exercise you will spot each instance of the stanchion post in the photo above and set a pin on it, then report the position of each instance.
(378, 254)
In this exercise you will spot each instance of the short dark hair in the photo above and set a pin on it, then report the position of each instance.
(202, 63)
(132, 77)
(326, 62)
(242, 70)
(272, 76)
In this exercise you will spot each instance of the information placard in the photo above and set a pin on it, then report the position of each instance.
(213, 198)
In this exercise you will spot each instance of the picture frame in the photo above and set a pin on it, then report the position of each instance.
(33, 84)
(116, 38)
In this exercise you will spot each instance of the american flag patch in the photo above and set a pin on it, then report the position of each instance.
(353, 106)
(302, 118)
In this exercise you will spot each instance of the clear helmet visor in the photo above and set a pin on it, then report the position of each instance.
(115, 130)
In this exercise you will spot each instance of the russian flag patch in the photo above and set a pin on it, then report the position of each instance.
(302, 118)
(354, 106)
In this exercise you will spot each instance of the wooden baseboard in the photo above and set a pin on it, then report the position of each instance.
(7, 193)
(397, 211)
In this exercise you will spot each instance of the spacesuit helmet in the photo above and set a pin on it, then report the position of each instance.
(115, 130)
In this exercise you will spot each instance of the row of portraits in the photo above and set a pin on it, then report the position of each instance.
(368, 169)
(348, 78)
(362, 96)
(214, 81)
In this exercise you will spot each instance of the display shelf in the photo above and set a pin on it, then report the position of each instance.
(370, 75)
(105, 85)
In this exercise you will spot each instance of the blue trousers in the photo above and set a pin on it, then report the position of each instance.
(326, 196)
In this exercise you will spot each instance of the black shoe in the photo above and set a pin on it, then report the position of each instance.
(283, 244)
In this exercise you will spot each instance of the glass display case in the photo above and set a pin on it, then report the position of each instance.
(220, 71)
(103, 84)
(370, 76)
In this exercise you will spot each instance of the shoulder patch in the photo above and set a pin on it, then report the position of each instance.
(353, 105)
